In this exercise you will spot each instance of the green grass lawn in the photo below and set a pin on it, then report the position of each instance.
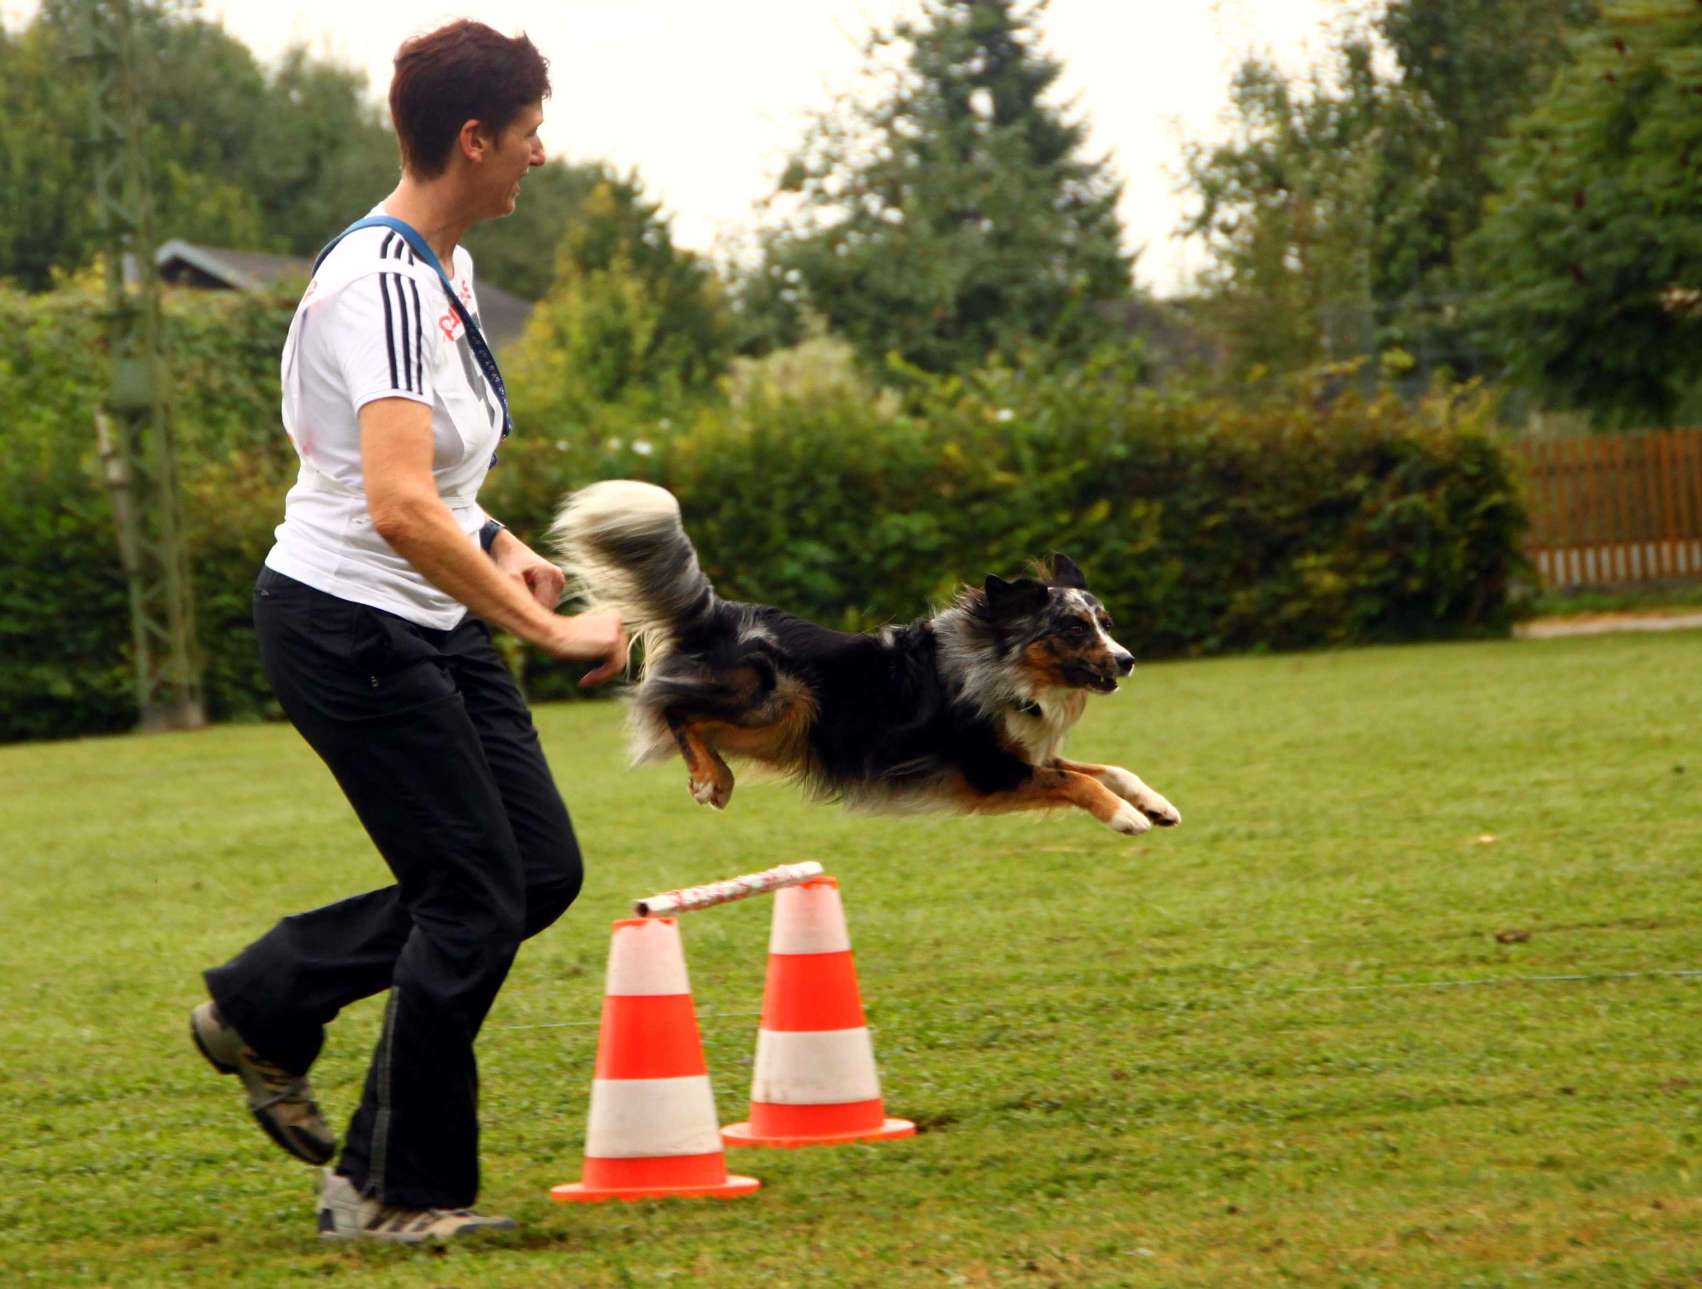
(1400, 1004)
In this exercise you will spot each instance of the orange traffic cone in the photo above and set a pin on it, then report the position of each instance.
(651, 1131)
(815, 1081)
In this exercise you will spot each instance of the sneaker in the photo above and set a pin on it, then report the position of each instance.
(282, 1102)
(344, 1215)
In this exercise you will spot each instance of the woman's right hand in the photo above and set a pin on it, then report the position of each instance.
(596, 635)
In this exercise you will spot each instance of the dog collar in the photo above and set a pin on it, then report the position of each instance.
(1027, 707)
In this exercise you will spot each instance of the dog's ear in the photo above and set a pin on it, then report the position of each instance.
(1065, 573)
(1008, 601)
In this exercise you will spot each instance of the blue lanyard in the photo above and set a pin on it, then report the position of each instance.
(475, 337)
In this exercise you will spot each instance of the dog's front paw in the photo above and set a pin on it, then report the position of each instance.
(1129, 787)
(1157, 809)
(1129, 821)
(712, 792)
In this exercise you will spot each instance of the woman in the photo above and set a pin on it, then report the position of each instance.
(373, 613)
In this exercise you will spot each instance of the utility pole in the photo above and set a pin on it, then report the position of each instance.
(133, 427)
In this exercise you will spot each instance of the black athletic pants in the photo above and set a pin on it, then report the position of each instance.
(430, 740)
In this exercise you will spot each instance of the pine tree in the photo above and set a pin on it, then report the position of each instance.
(954, 219)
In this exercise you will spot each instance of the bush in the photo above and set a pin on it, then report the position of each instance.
(1313, 517)
(1207, 525)
(64, 605)
(1204, 525)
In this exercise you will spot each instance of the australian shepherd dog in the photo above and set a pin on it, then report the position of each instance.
(965, 710)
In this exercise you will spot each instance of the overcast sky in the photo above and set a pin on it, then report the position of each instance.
(705, 97)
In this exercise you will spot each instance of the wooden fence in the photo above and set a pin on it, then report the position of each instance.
(1617, 508)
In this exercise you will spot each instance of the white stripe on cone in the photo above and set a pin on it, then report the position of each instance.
(814, 1067)
(808, 919)
(646, 958)
(642, 1118)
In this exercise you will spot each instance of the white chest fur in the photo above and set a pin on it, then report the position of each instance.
(1041, 732)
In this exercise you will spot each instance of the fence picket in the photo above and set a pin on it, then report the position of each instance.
(1667, 483)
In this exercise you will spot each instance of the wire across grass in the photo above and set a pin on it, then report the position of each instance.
(1408, 1000)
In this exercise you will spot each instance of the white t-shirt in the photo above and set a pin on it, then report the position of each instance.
(375, 323)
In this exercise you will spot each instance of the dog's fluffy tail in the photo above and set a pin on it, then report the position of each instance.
(623, 547)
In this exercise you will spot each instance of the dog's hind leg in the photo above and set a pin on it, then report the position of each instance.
(710, 779)
(1129, 787)
(1053, 785)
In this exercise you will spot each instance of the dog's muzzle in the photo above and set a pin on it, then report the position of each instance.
(1101, 681)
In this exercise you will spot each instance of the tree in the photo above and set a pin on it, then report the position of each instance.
(1467, 69)
(238, 157)
(273, 160)
(320, 156)
(1591, 254)
(627, 312)
(954, 219)
(1288, 212)
(518, 253)
(46, 195)
(1335, 216)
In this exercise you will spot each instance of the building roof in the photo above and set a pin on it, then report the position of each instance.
(219, 268)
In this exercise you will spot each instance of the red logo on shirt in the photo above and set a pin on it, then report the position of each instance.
(450, 323)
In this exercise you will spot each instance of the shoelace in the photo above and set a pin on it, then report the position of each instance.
(287, 1088)
(405, 1219)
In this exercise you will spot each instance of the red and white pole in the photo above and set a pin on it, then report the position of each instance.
(710, 894)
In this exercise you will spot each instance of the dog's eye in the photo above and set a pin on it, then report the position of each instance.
(1075, 628)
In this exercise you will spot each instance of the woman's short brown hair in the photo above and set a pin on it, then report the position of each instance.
(459, 73)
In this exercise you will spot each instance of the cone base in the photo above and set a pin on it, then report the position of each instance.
(580, 1193)
(741, 1134)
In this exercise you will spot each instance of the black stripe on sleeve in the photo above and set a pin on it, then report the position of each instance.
(389, 328)
(384, 251)
(407, 352)
(419, 338)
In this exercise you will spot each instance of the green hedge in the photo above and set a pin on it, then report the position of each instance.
(1206, 525)
(65, 660)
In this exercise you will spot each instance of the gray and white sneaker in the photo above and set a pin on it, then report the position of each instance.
(344, 1215)
(282, 1102)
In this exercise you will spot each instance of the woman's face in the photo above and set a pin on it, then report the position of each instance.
(515, 151)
